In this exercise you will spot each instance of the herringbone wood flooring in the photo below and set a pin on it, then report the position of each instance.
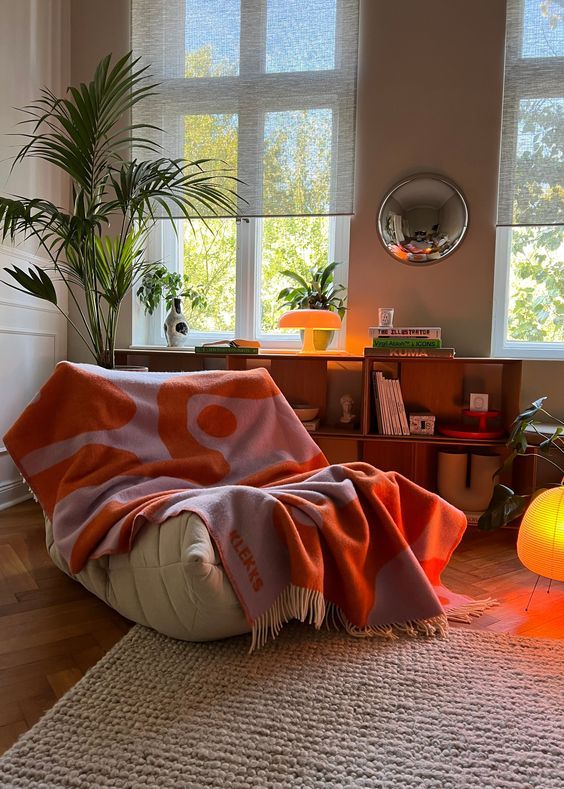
(52, 630)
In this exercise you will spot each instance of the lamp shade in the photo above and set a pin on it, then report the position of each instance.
(309, 321)
(540, 543)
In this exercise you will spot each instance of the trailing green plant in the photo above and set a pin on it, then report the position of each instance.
(98, 244)
(160, 283)
(320, 292)
(505, 505)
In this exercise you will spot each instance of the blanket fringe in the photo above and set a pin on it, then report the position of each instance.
(309, 605)
(470, 608)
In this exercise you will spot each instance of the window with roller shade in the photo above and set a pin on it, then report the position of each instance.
(267, 88)
(529, 281)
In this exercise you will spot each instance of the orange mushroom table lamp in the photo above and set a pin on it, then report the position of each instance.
(540, 543)
(308, 321)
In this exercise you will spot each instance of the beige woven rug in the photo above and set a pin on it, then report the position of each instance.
(310, 709)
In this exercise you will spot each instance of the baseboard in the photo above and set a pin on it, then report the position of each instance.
(12, 493)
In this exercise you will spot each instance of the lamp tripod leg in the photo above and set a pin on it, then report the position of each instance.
(532, 593)
(549, 585)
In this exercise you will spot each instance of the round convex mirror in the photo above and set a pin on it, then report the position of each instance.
(422, 220)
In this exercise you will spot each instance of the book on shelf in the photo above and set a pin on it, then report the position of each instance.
(311, 425)
(391, 419)
(425, 332)
(229, 346)
(378, 403)
(236, 343)
(222, 350)
(411, 352)
(404, 342)
(401, 408)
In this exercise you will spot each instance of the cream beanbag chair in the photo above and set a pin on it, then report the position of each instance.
(172, 580)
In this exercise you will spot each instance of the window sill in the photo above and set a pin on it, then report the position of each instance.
(263, 352)
(529, 351)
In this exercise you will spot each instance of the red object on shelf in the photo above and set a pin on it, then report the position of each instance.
(481, 431)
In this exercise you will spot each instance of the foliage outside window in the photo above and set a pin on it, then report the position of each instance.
(529, 290)
(269, 89)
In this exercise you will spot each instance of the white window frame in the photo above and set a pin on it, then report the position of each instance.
(147, 330)
(251, 95)
(542, 81)
(501, 346)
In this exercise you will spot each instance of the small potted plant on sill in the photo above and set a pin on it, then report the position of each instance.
(505, 505)
(160, 283)
(97, 245)
(318, 292)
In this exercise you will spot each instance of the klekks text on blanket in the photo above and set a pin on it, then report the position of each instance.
(109, 452)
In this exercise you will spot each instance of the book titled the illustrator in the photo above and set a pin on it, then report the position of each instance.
(410, 353)
(404, 342)
(426, 332)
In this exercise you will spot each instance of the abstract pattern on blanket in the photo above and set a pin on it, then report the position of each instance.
(108, 452)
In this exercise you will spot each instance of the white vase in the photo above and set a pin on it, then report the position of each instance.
(452, 479)
(176, 325)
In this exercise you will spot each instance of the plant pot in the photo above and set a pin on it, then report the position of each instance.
(452, 479)
(322, 338)
(176, 326)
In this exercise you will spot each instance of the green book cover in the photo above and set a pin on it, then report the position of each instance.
(222, 350)
(404, 342)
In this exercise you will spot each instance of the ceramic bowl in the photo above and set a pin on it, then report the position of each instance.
(305, 412)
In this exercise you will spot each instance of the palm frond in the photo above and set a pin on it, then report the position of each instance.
(34, 282)
(83, 135)
(79, 133)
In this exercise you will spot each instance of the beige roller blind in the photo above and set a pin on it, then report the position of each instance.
(531, 189)
(268, 86)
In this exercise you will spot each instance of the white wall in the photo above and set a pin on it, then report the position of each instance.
(34, 52)
(433, 110)
(98, 28)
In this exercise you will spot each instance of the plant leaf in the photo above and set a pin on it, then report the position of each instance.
(504, 507)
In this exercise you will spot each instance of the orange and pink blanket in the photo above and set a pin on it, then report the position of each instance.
(108, 453)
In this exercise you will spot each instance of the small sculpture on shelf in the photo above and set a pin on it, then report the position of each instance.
(347, 418)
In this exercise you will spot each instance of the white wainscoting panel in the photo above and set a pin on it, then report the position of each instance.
(34, 53)
(27, 359)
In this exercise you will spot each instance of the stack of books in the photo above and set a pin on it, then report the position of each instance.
(390, 409)
(407, 341)
(222, 347)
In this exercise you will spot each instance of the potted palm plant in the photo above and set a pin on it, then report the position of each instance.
(98, 244)
(318, 292)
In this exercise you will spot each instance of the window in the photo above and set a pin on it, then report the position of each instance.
(529, 278)
(267, 89)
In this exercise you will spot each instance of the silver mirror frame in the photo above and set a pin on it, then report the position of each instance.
(459, 238)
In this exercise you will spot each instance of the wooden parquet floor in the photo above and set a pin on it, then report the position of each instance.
(52, 630)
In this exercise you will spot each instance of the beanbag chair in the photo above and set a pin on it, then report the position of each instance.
(172, 580)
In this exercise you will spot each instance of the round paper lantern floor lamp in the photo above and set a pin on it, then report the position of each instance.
(308, 321)
(540, 542)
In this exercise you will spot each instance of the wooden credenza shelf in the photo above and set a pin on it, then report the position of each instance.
(441, 386)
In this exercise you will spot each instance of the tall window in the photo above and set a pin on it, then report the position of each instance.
(529, 282)
(267, 89)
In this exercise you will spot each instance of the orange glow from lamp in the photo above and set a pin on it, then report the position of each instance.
(308, 321)
(540, 543)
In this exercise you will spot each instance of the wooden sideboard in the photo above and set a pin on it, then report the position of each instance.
(441, 386)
